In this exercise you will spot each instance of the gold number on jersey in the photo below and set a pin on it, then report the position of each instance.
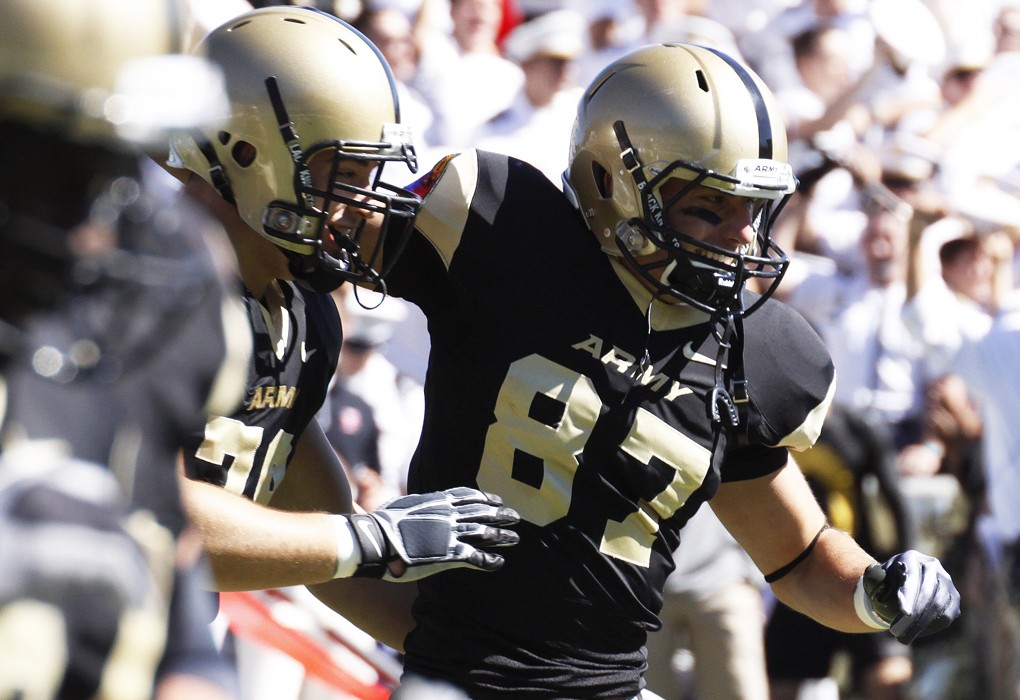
(517, 435)
(229, 436)
(651, 437)
(545, 413)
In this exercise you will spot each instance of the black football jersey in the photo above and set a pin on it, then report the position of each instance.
(89, 499)
(536, 391)
(296, 346)
(165, 364)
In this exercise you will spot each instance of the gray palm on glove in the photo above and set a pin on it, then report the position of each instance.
(914, 593)
(431, 532)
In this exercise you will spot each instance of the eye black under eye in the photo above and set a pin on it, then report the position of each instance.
(706, 215)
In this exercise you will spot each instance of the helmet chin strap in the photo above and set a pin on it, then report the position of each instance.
(315, 278)
(727, 408)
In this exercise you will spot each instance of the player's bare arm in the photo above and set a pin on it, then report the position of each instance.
(251, 546)
(776, 518)
(308, 533)
(822, 572)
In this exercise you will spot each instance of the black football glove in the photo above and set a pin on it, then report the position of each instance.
(432, 532)
(913, 593)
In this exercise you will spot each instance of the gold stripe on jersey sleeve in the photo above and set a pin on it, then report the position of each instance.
(444, 212)
(805, 435)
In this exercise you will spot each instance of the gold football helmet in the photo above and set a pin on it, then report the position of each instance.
(104, 71)
(301, 84)
(87, 89)
(688, 112)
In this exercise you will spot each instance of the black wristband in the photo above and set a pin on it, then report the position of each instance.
(375, 549)
(781, 572)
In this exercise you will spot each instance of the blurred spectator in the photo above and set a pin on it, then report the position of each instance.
(825, 120)
(823, 95)
(859, 316)
(987, 369)
(463, 73)
(841, 117)
(958, 298)
(909, 45)
(977, 141)
(351, 430)
(538, 123)
(616, 30)
(392, 32)
(396, 401)
(769, 50)
(958, 76)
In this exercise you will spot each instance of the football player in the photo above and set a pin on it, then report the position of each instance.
(117, 332)
(313, 119)
(600, 358)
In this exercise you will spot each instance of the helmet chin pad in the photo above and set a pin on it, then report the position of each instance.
(705, 284)
(705, 276)
(311, 275)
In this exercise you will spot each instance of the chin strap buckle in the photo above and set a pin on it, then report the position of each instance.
(719, 402)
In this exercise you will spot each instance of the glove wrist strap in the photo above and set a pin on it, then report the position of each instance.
(348, 555)
(864, 610)
(372, 544)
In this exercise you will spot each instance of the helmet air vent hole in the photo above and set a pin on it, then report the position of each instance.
(239, 25)
(223, 137)
(702, 83)
(347, 46)
(243, 153)
(603, 181)
(295, 20)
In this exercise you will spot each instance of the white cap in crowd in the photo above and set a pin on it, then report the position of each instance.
(557, 34)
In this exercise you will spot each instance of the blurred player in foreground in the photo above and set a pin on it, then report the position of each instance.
(117, 335)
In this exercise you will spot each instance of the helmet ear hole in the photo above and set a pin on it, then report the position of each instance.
(603, 180)
(244, 153)
(702, 81)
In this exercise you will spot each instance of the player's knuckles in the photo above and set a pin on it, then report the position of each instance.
(464, 494)
(432, 510)
(475, 512)
(491, 562)
(492, 515)
(504, 538)
(485, 535)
